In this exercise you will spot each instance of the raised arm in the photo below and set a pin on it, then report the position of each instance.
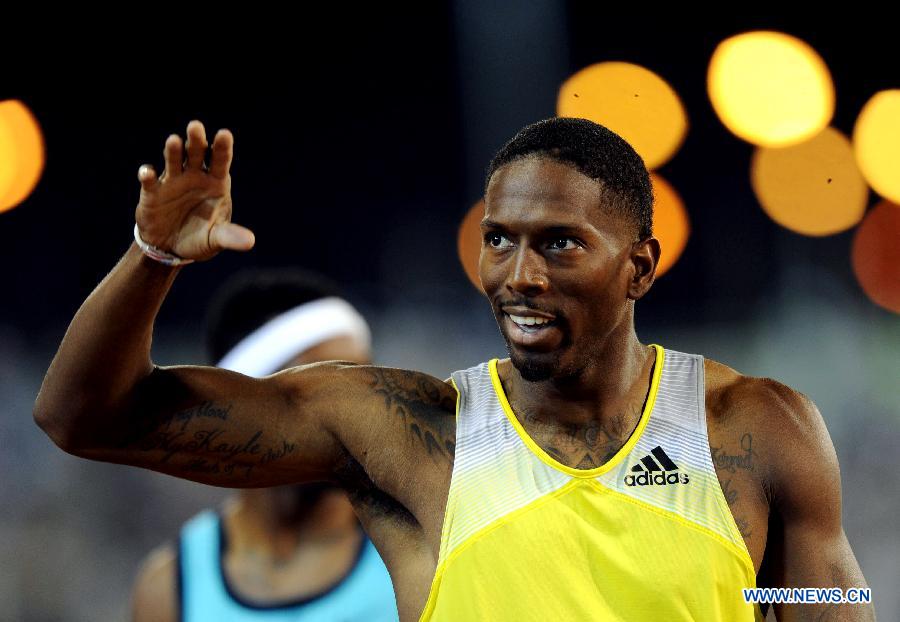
(104, 399)
(106, 350)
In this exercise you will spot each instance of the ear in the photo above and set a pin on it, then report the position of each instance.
(644, 259)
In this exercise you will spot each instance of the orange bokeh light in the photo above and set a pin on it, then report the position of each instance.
(814, 188)
(633, 102)
(21, 153)
(876, 139)
(671, 225)
(468, 242)
(770, 88)
(876, 255)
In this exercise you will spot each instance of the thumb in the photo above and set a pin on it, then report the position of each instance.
(228, 235)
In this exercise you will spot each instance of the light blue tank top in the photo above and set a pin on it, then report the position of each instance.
(366, 593)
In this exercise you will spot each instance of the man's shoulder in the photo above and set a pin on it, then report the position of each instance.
(783, 422)
(733, 395)
(154, 591)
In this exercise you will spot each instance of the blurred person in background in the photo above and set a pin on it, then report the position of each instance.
(284, 553)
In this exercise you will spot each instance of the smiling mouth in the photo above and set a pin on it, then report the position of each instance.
(530, 323)
(532, 332)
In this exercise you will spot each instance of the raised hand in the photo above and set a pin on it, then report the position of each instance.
(187, 210)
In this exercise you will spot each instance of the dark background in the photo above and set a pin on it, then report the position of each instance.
(362, 137)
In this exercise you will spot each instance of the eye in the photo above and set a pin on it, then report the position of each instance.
(564, 244)
(497, 240)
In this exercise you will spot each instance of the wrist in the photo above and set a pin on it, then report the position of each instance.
(157, 254)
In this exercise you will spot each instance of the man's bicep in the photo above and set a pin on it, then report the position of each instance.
(412, 405)
(398, 426)
(300, 425)
(806, 538)
(819, 558)
(221, 428)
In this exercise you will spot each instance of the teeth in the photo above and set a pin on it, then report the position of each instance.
(529, 320)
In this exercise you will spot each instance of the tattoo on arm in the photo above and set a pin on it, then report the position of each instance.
(198, 440)
(732, 462)
(731, 496)
(422, 405)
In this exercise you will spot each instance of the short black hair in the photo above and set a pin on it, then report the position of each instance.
(253, 297)
(594, 151)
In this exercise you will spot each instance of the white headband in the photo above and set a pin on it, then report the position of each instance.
(273, 344)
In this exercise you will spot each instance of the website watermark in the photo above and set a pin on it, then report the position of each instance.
(798, 595)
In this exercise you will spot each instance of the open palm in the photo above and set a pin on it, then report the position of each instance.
(187, 210)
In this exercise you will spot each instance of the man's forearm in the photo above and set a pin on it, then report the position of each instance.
(105, 351)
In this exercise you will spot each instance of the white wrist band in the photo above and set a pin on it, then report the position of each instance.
(158, 254)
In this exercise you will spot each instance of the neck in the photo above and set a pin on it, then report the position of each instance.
(607, 388)
(276, 521)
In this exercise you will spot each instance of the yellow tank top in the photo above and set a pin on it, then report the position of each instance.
(646, 536)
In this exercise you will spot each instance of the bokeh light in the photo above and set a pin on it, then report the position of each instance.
(21, 153)
(876, 255)
(770, 88)
(876, 141)
(814, 188)
(671, 225)
(468, 242)
(633, 102)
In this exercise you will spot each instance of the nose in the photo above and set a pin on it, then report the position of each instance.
(529, 275)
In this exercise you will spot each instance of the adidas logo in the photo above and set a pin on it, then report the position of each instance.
(659, 472)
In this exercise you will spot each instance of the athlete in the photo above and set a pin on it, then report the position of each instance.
(587, 476)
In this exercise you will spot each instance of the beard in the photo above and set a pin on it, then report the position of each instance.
(534, 367)
(542, 366)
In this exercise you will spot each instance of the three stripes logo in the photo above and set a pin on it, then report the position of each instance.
(659, 472)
